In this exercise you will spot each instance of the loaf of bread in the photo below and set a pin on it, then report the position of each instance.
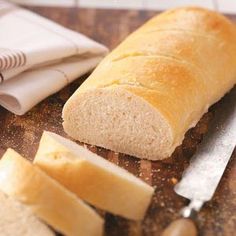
(145, 95)
(17, 219)
(93, 178)
(47, 199)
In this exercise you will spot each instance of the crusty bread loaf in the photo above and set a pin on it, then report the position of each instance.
(17, 219)
(157, 84)
(49, 200)
(93, 178)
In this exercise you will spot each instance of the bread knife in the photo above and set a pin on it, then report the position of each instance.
(201, 178)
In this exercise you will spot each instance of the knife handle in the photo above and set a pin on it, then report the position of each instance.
(181, 227)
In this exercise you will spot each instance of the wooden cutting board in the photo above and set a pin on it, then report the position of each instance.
(218, 217)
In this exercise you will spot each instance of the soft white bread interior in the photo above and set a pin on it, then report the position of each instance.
(49, 200)
(145, 95)
(93, 178)
(17, 219)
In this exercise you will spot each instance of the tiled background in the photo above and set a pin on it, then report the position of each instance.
(225, 6)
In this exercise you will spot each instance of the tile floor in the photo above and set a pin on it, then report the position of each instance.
(225, 6)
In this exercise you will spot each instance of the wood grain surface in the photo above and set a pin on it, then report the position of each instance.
(22, 133)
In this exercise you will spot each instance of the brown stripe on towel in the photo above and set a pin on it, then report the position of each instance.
(1, 77)
(10, 59)
(20, 61)
(4, 62)
(23, 57)
(15, 62)
(9, 62)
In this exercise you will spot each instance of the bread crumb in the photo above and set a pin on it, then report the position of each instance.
(174, 180)
(162, 204)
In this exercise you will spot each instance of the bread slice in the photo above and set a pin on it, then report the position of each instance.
(17, 219)
(49, 200)
(157, 84)
(93, 178)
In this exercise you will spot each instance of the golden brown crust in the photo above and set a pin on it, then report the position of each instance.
(180, 62)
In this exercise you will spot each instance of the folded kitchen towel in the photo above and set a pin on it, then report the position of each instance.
(39, 57)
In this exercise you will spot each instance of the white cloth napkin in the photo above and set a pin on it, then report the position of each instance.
(39, 57)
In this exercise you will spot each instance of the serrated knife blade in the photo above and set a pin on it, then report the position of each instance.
(201, 178)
